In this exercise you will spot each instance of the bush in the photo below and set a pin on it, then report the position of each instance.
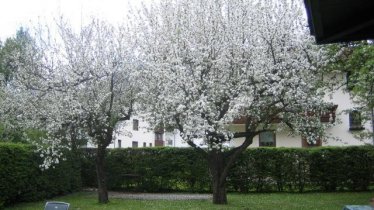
(349, 168)
(157, 170)
(150, 170)
(21, 179)
(270, 169)
(258, 169)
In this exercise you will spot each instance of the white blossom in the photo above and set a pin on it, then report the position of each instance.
(208, 63)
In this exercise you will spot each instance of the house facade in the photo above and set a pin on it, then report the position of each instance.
(137, 132)
(344, 112)
(134, 133)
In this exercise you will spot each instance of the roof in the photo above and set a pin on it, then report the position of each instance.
(340, 20)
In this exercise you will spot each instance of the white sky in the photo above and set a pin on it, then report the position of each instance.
(17, 13)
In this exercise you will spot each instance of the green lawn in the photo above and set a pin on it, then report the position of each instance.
(278, 201)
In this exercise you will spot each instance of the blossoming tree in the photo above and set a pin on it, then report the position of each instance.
(207, 63)
(73, 84)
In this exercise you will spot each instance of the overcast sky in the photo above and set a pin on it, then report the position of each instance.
(17, 13)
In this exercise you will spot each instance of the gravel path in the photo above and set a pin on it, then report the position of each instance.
(160, 196)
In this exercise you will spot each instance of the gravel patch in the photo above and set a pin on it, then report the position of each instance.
(160, 196)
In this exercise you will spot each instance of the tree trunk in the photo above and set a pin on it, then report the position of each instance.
(101, 174)
(216, 166)
(76, 181)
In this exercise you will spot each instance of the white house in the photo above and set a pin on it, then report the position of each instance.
(348, 123)
(134, 133)
(137, 133)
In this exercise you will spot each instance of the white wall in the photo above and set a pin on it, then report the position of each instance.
(127, 135)
(173, 139)
(176, 140)
(145, 134)
(341, 132)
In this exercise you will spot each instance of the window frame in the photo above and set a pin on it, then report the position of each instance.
(274, 139)
(134, 144)
(159, 136)
(119, 143)
(135, 124)
(355, 124)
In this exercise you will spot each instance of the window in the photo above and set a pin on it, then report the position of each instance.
(355, 120)
(144, 144)
(267, 139)
(150, 144)
(159, 136)
(119, 143)
(170, 142)
(159, 139)
(134, 144)
(135, 124)
(329, 115)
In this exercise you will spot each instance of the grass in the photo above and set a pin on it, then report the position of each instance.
(279, 201)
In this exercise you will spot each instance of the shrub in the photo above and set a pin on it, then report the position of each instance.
(258, 169)
(21, 179)
(349, 168)
(157, 169)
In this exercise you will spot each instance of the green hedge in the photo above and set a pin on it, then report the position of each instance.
(256, 170)
(270, 169)
(348, 168)
(155, 170)
(184, 169)
(21, 179)
(150, 170)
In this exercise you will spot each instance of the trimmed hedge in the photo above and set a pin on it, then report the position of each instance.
(157, 170)
(184, 169)
(150, 170)
(256, 170)
(21, 179)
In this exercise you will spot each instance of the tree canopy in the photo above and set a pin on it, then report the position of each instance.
(195, 65)
(72, 85)
(208, 63)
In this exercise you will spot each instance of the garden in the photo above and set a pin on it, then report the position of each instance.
(194, 67)
(262, 178)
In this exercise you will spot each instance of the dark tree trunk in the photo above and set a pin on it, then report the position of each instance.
(216, 166)
(101, 174)
(219, 163)
(76, 159)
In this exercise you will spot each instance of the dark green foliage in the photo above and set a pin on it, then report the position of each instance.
(7, 134)
(348, 168)
(259, 170)
(151, 170)
(270, 169)
(317, 169)
(184, 169)
(21, 179)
